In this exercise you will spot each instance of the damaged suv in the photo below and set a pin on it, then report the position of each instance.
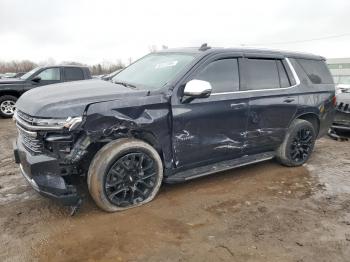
(172, 116)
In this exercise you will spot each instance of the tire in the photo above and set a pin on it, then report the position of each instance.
(115, 170)
(298, 144)
(7, 105)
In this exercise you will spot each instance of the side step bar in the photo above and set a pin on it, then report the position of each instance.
(218, 167)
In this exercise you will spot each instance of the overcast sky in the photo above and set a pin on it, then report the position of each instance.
(96, 31)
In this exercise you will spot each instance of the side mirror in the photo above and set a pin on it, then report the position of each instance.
(197, 89)
(36, 79)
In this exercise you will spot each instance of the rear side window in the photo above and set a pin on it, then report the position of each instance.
(222, 75)
(73, 74)
(261, 74)
(283, 74)
(316, 70)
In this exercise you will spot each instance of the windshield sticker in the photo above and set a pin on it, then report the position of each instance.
(166, 64)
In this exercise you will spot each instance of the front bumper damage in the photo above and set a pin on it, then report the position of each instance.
(41, 172)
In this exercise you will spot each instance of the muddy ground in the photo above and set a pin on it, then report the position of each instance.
(263, 212)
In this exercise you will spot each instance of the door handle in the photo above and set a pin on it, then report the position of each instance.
(238, 106)
(289, 100)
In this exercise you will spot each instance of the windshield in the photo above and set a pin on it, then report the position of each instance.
(31, 72)
(154, 70)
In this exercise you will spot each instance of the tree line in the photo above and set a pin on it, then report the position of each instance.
(27, 65)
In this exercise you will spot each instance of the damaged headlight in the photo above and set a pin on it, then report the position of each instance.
(70, 123)
(37, 124)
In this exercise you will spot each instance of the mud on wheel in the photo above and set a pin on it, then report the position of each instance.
(298, 143)
(124, 174)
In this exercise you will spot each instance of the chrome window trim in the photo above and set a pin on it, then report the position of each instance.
(295, 75)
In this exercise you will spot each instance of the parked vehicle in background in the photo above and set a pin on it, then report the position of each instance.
(8, 75)
(341, 121)
(172, 116)
(340, 88)
(97, 76)
(18, 75)
(12, 88)
(111, 75)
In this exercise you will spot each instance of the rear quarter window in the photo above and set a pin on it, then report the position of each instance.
(73, 74)
(316, 70)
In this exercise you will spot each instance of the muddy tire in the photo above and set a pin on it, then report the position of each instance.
(298, 144)
(124, 174)
(7, 106)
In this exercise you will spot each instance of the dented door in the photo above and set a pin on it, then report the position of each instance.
(210, 129)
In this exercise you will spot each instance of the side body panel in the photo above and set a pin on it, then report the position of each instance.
(148, 118)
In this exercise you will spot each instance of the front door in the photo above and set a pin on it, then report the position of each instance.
(211, 129)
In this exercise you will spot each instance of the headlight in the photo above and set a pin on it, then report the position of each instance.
(38, 124)
(70, 123)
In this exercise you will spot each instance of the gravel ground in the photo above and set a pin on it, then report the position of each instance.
(263, 212)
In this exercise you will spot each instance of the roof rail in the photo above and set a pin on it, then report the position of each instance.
(204, 47)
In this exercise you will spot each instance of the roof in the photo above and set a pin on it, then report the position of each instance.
(245, 50)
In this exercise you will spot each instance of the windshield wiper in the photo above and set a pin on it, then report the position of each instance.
(124, 84)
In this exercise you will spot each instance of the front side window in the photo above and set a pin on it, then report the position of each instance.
(50, 74)
(154, 70)
(261, 74)
(222, 75)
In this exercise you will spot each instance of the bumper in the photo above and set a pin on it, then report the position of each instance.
(341, 121)
(41, 173)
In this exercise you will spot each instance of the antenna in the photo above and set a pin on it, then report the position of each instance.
(204, 47)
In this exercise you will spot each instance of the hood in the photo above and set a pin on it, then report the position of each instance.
(9, 81)
(343, 98)
(71, 98)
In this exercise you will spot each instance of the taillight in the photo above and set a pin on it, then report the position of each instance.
(334, 100)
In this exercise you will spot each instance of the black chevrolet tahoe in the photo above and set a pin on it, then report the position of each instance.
(172, 116)
(12, 88)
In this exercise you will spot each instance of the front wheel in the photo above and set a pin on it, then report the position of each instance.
(125, 173)
(298, 143)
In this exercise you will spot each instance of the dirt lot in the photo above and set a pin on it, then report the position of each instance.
(264, 212)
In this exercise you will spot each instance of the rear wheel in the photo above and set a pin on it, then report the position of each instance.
(298, 143)
(7, 105)
(125, 173)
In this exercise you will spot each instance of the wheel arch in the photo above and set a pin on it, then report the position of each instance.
(313, 119)
(10, 93)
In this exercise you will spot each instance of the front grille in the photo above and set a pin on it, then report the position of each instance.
(343, 107)
(30, 140)
(33, 144)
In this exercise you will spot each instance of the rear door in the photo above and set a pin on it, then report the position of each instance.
(273, 101)
(211, 129)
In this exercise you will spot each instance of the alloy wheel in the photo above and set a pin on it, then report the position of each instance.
(301, 145)
(8, 107)
(130, 180)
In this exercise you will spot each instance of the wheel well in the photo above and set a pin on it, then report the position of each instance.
(150, 139)
(313, 119)
(10, 93)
